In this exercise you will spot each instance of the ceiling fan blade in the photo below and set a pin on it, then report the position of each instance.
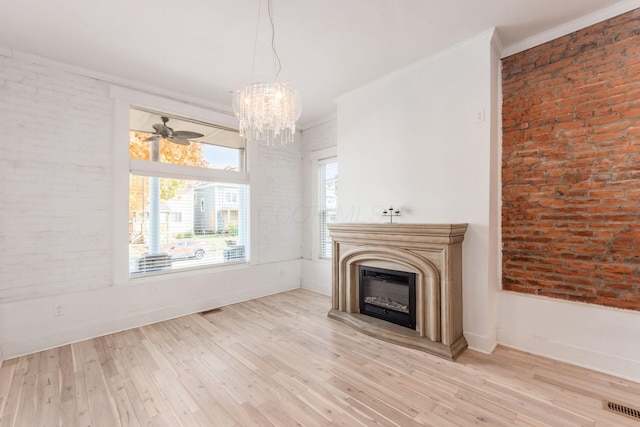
(180, 141)
(184, 134)
(153, 138)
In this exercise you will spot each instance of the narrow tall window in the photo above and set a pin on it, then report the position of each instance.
(327, 203)
(182, 183)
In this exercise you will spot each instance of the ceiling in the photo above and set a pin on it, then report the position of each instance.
(142, 121)
(202, 49)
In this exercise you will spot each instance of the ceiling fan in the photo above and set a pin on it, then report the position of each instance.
(176, 136)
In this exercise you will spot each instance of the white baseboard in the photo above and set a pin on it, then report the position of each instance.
(32, 326)
(316, 276)
(320, 288)
(606, 363)
(483, 344)
(595, 337)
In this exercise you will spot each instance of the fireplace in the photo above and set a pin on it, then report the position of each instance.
(392, 256)
(388, 295)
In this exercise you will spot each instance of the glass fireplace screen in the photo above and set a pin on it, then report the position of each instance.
(388, 295)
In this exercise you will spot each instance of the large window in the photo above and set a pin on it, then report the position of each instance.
(327, 203)
(188, 194)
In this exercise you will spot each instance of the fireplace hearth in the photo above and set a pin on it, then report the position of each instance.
(379, 304)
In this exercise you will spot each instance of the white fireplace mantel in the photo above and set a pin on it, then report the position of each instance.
(432, 251)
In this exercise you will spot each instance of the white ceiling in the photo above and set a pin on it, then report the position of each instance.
(203, 48)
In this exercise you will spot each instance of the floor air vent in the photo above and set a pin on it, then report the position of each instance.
(213, 310)
(625, 410)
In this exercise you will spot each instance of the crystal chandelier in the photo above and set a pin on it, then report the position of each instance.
(267, 111)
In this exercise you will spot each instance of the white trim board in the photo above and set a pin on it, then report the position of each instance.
(112, 309)
(480, 343)
(570, 27)
(316, 276)
(596, 337)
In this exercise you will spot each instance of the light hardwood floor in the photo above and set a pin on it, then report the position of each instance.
(280, 361)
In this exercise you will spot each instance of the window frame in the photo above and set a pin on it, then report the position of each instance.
(124, 99)
(318, 158)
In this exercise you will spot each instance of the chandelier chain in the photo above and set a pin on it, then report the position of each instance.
(255, 43)
(273, 39)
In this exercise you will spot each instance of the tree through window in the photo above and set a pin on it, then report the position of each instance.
(179, 191)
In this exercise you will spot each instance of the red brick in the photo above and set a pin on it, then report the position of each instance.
(609, 136)
(606, 193)
(607, 294)
(603, 119)
(616, 268)
(630, 113)
(592, 54)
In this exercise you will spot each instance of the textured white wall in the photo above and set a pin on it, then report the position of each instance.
(55, 181)
(276, 182)
(413, 139)
(59, 171)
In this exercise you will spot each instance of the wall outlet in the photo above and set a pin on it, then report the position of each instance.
(58, 310)
(479, 117)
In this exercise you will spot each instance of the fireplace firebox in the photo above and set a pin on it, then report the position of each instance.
(388, 295)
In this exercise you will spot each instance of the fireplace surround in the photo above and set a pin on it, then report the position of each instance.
(433, 252)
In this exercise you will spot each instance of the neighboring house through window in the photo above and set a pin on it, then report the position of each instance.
(180, 187)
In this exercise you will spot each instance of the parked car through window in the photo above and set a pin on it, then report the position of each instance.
(184, 249)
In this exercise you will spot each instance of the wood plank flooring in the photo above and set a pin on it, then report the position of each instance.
(279, 361)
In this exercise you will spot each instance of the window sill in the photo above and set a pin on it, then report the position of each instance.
(188, 272)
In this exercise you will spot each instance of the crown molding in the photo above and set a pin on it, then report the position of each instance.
(110, 79)
(572, 26)
(320, 121)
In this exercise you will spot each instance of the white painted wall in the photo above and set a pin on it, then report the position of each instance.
(413, 140)
(601, 338)
(2, 320)
(63, 222)
(30, 325)
(320, 138)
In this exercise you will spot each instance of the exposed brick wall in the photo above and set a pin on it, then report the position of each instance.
(571, 166)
